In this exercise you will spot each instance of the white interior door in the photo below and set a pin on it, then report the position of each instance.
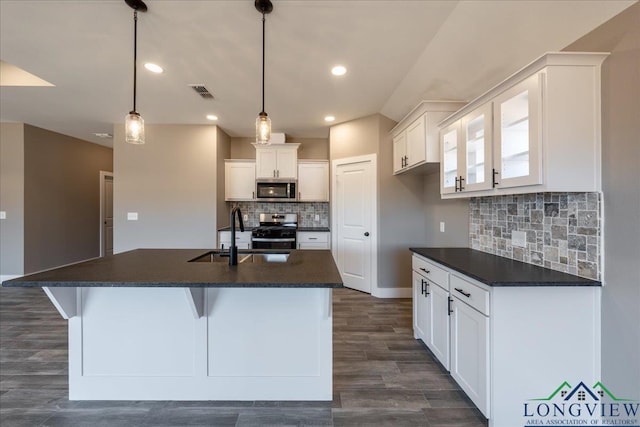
(354, 209)
(106, 215)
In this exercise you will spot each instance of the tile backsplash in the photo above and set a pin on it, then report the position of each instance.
(306, 212)
(563, 229)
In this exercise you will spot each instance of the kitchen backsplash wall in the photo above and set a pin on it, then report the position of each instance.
(306, 211)
(563, 229)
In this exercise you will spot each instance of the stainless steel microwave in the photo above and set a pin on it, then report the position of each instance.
(271, 190)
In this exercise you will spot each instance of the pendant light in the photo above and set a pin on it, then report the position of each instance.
(263, 122)
(133, 123)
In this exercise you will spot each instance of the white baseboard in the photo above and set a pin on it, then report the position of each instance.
(392, 292)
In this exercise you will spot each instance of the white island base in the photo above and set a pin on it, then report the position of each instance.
(198, 344)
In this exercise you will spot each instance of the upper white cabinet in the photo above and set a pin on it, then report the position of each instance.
(239, 180)
(277, 161)
(313, 181)
(415, 137)
(517, 137)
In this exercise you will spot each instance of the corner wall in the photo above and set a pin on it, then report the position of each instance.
(12, 200)
(621, 198)
(171, 183)
(61, 198)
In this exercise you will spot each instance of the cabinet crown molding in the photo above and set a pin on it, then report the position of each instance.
(426, 107)
(579, 59)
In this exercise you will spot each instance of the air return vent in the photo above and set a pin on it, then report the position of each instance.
(202, 91)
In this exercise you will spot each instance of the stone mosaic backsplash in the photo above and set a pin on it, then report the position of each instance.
(306, 212)
(563, 229)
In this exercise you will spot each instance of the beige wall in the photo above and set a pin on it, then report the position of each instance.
(12, 199)
(171, 182)
(310, 148)
(453, 212)
(223, 151)
(354, 138)
(620, 179)
(61, 198)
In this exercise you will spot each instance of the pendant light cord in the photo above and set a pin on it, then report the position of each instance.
(135, 55)
(263, 49)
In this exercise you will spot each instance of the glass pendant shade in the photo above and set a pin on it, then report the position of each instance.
(263, 129)
(134, 128)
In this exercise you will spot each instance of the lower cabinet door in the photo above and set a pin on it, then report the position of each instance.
(438, 323)
(420, 308)
(469, 353)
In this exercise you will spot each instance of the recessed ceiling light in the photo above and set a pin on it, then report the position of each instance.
(212, 117)
(329, 118)
(339, 70)
(153, 68)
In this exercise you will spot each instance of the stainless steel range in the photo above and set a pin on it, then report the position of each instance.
(276, 231)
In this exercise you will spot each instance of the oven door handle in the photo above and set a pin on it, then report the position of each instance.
(261, 239)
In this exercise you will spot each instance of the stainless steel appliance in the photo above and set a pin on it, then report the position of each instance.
(276, 190)
(276, 231)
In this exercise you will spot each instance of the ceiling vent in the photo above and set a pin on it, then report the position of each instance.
(202, 91)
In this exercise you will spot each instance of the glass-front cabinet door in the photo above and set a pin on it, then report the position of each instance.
(450, 158)
(517, 134)
(476, 131)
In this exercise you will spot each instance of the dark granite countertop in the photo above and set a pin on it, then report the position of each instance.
(318, 229)
(228, 228)
(170, 268)
(494, 270)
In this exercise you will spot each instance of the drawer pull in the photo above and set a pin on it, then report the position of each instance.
(462, 292)
(313, 238)
(425, 270)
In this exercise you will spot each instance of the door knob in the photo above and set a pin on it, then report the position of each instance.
(366, 233)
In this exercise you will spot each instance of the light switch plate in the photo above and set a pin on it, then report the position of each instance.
(317, 218)
(519, 238)
(442, 226)
(3, 215)
(132, 216)
(245, 217)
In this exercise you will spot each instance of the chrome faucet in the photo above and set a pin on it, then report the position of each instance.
(233, 249)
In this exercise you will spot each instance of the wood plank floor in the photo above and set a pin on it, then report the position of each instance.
(382, 376)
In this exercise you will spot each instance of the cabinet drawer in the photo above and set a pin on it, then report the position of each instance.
(431, 271)
(470, 294)
(312, 237)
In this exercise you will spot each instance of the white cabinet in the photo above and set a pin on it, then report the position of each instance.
(470, 349)
(313, 240)
(496, 339)
(313, 181)
(277, 161)
(399, 152)
(431, 307)
(517, 144)
(239, 180)
(415, 137)
(243, 239)
(518, 137)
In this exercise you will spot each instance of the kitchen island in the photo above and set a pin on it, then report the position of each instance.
(181, 324)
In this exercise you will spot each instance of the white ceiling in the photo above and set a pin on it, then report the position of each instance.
(397, 53)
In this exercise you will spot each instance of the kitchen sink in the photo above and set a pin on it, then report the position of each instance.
(244, 257)
(262, 258)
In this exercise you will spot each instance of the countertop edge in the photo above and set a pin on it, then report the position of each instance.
(578, 282)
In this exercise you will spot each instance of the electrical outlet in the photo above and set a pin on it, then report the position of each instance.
(3, 215)
(132, 216)
(245, 217)
(442, 226)
(519, 238)
(317, 218)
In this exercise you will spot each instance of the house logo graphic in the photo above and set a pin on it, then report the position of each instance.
(581, 405)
